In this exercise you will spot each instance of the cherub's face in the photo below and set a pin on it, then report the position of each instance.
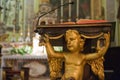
(73, 42)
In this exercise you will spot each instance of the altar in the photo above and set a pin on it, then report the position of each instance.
(38, 65)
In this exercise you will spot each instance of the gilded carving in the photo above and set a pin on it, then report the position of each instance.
(55, 66)
(75, 60)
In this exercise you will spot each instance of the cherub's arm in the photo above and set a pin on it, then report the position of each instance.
(50, 50)
(101, 50)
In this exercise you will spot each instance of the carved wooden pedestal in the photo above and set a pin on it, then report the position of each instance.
(91, 32)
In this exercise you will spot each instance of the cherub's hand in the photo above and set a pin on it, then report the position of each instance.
(98, 45)
(46, 38)
(107, 37)
(101, 44)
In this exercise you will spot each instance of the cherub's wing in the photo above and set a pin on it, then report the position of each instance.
(55, 65)
(97, 67)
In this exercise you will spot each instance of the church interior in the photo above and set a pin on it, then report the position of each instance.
(24, 23)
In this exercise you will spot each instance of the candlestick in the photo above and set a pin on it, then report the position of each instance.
(28, 35)
(21, 39)
(13, 39)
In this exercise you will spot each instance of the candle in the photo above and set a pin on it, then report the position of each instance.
(56, 12)
(61, 10)
(70, 10)
(77, 9)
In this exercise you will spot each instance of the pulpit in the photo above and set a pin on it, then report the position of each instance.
(91, 31)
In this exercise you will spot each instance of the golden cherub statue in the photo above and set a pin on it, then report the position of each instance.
(75, 60)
